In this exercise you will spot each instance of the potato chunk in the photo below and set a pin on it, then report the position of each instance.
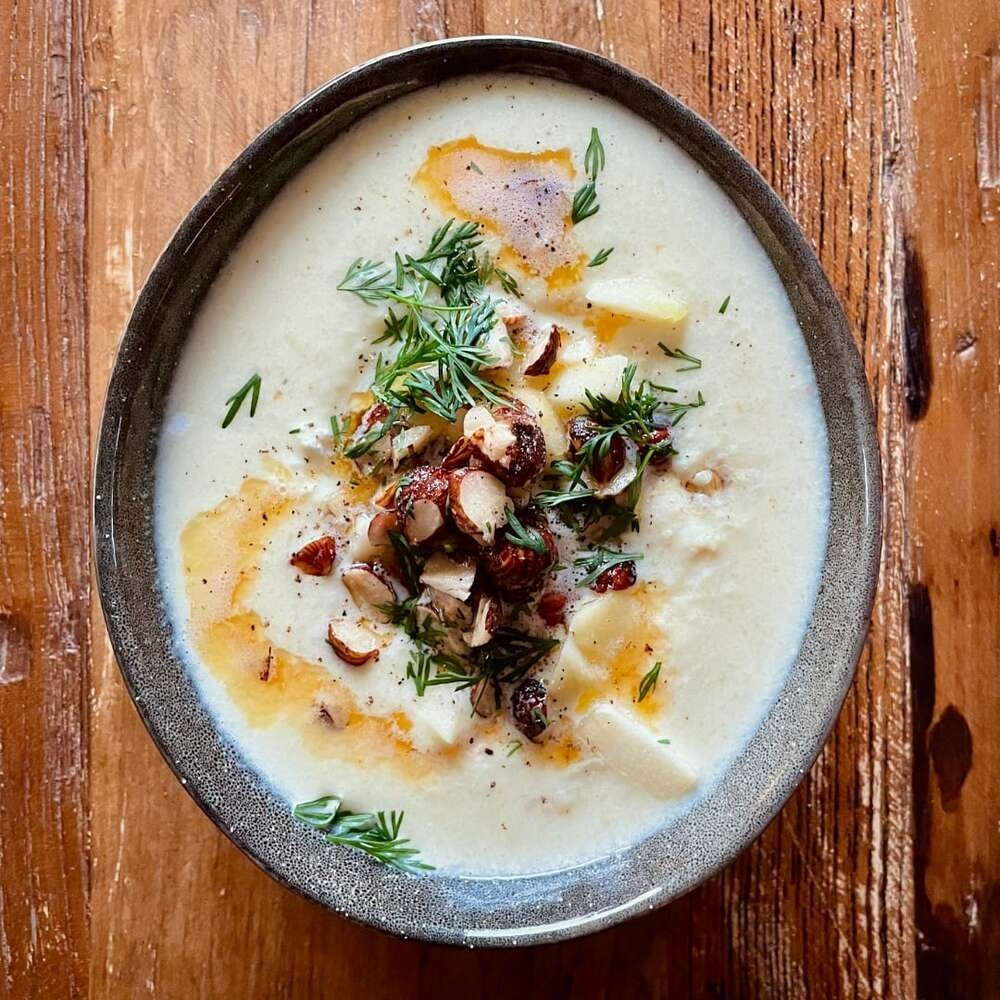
(640, 297)
(568, 392)
(633, 751)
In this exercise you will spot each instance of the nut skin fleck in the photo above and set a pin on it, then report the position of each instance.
(618, 577)
(552, 608)
(316, 558)
(529, 707)
(265, 671)
(518, 572)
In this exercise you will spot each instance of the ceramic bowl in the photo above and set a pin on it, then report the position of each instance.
(440, 907)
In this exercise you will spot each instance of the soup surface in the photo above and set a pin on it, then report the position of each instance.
(419, 586)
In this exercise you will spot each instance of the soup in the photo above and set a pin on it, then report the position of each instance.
(492, 495)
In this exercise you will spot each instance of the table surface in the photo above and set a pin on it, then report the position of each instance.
(878, 121)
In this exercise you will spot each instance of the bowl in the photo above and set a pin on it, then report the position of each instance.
(487, 911)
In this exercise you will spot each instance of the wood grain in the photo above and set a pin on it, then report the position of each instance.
(876, 122)
(44, 473)
(953, 233)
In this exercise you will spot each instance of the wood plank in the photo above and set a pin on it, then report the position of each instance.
(821, 903)
(953, 314)
(44, 505)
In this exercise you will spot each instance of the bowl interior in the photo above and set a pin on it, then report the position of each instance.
(495, 911)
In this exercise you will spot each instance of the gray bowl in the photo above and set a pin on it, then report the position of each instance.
(438, 907)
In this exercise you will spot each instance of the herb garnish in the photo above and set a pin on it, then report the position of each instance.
(337, 430)
(525, 538)
(585, 200)
(372, 833)
(599, 559)
(725, 304)
(235, 401)
(648, 682)
(505, 659)
(666, 743)
(693, 363)
(638, 412)
(507, 281)
(600, 257)
(374, 434)
(440, 317)
(514, 747)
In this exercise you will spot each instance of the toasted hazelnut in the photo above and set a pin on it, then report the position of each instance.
(485, 698)
(385, 499)
(658, 442)
(450, 610)
(518, 572)
(420, 500)
(370, 419)
(370, 588)
(409, 443)
(542, 356)
(459, 454)
(427, 618)
(508, 442)
(478, 503)
(621, 576)
(352, 643)
(552, 608)
(316, 557)
(603, 467)
(529, 706)
(486, 621)
(623, 478)
(384, 523)
(451, 576)
(704, 481)
(498, 343)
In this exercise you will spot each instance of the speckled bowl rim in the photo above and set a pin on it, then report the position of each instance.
(442, 908)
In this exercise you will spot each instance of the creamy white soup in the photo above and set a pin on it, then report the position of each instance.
(492, 492)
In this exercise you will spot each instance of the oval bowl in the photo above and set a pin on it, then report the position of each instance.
(439, 907)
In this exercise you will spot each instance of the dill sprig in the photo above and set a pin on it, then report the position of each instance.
(374, 833)
(648, 683)
(692, 363)
(593, 159)
(373, 435)
(410, 561)
(524, 537)
(337, 430)
(585, 200)
(600, 257)
(235, 401)
(509, 655)
(436, 369)
(585, 203)
(639, 411)
(599, 559)
(439, 315)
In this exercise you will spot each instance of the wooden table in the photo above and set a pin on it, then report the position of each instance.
(878, 121)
